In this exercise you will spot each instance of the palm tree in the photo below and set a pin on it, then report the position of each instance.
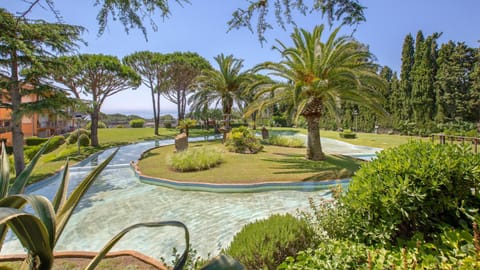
(318, 75)
(220, 86)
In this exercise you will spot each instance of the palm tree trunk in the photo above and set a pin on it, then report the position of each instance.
(314, 146)
(312, 113)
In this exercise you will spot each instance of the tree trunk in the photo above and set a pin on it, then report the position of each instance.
(254, 119)
(312, 113)
(314, 146)
(94, 127)
(17, 133)
(156, 113)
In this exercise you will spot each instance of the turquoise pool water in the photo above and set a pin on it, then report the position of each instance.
(118, 199)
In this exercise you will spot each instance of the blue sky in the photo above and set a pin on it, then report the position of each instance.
(202, 27)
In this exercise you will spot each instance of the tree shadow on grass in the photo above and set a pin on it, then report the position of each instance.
(333, 167)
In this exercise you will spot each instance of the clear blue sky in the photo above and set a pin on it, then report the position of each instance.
(202, 27)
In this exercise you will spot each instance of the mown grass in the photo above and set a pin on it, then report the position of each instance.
(52, 162)
(273, 164)
(366, 139)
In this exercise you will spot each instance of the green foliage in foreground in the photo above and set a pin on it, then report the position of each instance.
(287, 141)
(348, 255)
(414, 188)
(196, 159)
(411, 208)
(242, 140)
(265, 244)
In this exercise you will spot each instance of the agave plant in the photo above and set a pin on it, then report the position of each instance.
(39, 231)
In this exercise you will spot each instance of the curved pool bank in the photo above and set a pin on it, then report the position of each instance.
(307, 186)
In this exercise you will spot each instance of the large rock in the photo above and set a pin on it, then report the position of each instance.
(181, 142)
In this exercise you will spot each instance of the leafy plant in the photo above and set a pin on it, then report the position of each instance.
(186, 124)
(265, 244)
(242, 140)
(84, 140)
(414, 188)
(196, 159)
(454, 250)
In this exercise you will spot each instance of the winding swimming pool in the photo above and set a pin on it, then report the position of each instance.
(118, 199)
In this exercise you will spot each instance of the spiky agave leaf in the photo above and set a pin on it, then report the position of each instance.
(61, 195)
(66, 210)
(32, 234)
(4, 172)
(21, 181)
(181, 262)
(41, 206)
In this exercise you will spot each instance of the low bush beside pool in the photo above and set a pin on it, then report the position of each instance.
(196, 159)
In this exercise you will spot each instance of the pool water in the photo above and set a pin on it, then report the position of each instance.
(118, 199)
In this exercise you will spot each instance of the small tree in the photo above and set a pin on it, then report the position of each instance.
(98, 76)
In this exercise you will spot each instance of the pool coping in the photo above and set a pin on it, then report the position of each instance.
(90, 255)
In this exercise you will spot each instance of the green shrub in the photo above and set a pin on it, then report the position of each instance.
(84, 140)
(136, 123)
(414, 188)
(167, 124)
(73, 137)
(31, 141)
(100, 125)
(242, 140)
(454, 250)
(287, 141)
(279, 121)
(348, 134)
(119, 126)
(265, 244)
(54, 143)
(30, 151)
(196, 159)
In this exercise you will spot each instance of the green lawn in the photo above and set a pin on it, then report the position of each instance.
(52, 162)
(274, 163)
(365, 139)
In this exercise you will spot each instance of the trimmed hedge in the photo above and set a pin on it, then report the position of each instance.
(31, 141)
(84, 140)
(348, 134)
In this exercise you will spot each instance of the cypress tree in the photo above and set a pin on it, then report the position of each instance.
(405, 87)
(424, 69)
(474, 90)
(452, 82)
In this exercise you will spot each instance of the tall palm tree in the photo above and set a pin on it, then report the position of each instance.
(318, 75)
(220, 86)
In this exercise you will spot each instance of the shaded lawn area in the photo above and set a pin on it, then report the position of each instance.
(273, 164)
